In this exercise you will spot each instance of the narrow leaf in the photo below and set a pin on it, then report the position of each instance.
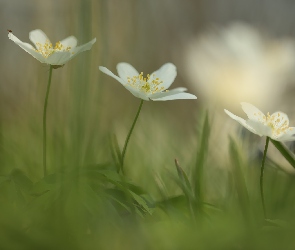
(182, 175)
(141, 202)
(289, 156)
(201, 157)
(115, 151)
(239, 180)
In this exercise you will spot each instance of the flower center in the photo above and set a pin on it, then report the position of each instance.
(277, 123)
(47, 48)
(148, 84)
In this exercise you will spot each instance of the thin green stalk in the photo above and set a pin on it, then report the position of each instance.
(44, 120)
(261, 176)
(129, 134)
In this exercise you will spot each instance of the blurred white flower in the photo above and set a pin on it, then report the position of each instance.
(152, 87)
(45, 52)
(275, 126)
(237, 63)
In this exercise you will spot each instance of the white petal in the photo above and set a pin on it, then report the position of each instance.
(38, 36)
(19, 42)
(242, 122)
(27, 47)
(58, 58)
(77, 50)
(137, 93)
(110, 73)
(252, 112)
(288, 136)
(279, 119)
(133, 91)
(260, 128)
(70, 41)
(175, 97)
(166, 93)
(126, 70)
(166, 73)
(81, 48)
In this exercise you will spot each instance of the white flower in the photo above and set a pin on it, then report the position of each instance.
(152, 87)
(240, 59)
(45, 52)
(275, 126)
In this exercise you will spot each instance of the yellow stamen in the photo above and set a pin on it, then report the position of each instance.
(47, 48)
(148, 84)
(277, 123)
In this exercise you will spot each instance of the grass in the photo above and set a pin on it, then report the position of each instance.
(86, 203)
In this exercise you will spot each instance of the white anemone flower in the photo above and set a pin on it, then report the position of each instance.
(45, 52)
(275, 126)
(152, 87)
(243, 60)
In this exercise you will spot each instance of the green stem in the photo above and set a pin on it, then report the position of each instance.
(261, 176)
(129, 134)
(44, 120)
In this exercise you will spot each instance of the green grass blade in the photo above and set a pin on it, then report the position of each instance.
(289, 156)
(115, 152)
(201, 158)
(239, 180)
(182, 175)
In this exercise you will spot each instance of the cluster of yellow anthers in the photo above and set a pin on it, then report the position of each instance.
(277, 123)
(144, 84)
(47, 49)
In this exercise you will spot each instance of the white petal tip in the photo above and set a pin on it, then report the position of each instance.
(192, 97)
(170, 65)
(11, 36)
(230, 114)
(102, 68)
(178, 96)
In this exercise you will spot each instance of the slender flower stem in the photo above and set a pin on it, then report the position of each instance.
(129, 134)
(44, 120)
(261, 176)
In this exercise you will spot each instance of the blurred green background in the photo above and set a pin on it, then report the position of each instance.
(225, 52)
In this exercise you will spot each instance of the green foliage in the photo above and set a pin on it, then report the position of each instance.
(96, 206)
(285, 152)
(239, 180)
(116, 153)
(203, 147)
